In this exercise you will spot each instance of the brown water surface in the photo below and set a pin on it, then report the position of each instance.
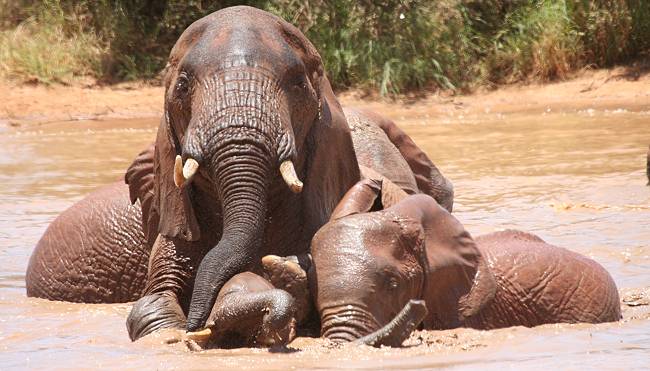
(576, 179)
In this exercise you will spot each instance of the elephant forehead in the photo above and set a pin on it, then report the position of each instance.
(364, 236)
(242, 37)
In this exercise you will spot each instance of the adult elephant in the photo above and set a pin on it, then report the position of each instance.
(249, 115)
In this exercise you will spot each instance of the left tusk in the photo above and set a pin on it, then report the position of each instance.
(289, 175)
(190, 168)
(178, 171)
(200, 336)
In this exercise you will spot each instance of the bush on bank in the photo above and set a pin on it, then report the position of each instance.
(391, 46)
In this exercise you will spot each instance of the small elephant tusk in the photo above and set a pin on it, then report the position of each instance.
(200, 336)
(269, 260)
(289, 175)
(178, 171)
(190, 168)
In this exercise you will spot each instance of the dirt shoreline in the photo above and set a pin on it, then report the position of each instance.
(607, 89)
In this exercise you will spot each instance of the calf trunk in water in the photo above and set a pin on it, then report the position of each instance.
(400, 328)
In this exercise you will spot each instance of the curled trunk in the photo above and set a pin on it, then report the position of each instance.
(400, 328)
(350, 324)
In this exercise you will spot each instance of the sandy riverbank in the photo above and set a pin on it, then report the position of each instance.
(597, 90)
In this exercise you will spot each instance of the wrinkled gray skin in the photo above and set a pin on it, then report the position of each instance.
(111, 232)
(248, 312)
(368, 264)
(94, 252)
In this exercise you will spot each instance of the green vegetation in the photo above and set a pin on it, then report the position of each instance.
(391, 46)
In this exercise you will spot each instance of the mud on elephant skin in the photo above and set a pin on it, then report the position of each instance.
(94, 252)
(248, 312)
(249, 116)
(377, 253)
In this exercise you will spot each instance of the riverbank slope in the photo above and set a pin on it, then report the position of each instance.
(598, 90)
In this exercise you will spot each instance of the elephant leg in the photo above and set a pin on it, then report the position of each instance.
(154, 312)
(429, 179)
(171, 268)
(290, 274)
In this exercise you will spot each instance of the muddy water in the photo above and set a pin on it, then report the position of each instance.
(576, 179)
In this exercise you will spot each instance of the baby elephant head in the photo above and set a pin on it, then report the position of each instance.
(367, 264)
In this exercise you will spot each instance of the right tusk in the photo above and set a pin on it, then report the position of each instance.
(289, 175)
(178, 171)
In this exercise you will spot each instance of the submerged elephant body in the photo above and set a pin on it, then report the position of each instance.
(539, 283)
(94, 252)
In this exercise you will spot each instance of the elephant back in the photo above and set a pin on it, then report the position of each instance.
(93, 252)
(375, 151)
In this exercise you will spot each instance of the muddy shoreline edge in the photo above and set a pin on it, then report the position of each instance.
(598, 90)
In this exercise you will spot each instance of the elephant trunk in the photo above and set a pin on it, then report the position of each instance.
(244, 142)
(241, 172)
(346, 323)
(399, 329)
(349, 324)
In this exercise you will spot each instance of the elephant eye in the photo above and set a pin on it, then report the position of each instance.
(182, 84)
(392, 283)
(300, 83)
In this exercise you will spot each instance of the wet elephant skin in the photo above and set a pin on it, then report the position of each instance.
(369, 262)
(94, 252)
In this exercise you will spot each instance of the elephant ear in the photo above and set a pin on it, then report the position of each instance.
(172, 205)
(172, 213)
(329, 173)
(140, 178)
(459, 282)
(374, 192)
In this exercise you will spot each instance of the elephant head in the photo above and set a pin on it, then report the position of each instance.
(251, 135)
(381, 250)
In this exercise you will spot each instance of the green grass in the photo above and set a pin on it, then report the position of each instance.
(536, 42)
(44, 48)
(392, 46)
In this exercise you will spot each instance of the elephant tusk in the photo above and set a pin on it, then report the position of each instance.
(190, 168)
(184, 173)
(200, 336)
(178, 171)
(289, 175)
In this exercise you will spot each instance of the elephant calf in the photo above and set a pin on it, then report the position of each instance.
(376, 254)
(248, 312)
